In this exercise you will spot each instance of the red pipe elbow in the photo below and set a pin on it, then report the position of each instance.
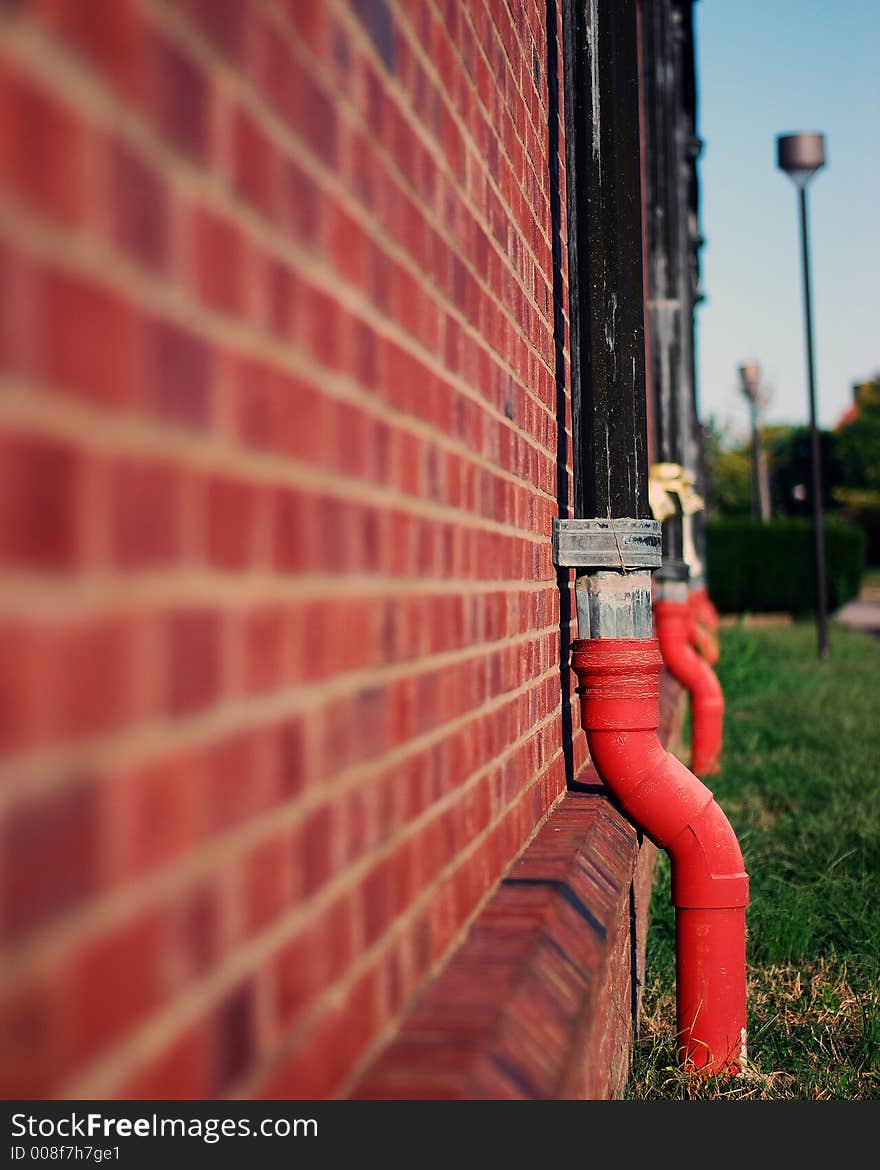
(704, 611)
(705, 639)
(705, 623)
(674, 624)
(619, 689)
(706, 645)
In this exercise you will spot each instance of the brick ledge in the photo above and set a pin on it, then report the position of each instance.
(541, 999)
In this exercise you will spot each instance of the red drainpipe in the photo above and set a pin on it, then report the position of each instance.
(704, 610)
(676, 632)
(705, 617)
(619, 690)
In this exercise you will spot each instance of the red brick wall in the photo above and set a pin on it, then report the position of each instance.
(279, 644)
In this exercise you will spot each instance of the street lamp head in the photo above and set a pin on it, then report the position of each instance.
(750, 381)
(800, 156)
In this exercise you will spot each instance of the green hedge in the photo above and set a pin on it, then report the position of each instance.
(770, 568)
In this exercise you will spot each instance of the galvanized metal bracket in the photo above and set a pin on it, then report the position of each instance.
(620, 544)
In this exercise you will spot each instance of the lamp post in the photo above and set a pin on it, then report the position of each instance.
(800, 156)
(750, 384)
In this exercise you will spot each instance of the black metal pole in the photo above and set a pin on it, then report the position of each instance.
(816, 450)
(668, 137)
(605, 258)
(664, 245)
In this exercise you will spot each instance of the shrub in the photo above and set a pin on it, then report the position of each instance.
(861, 507)
(770, 568)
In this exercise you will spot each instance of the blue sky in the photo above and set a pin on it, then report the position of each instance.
(768, 67)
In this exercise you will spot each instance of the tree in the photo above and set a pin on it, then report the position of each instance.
(857, 450)
(791, 469)
(857, 441)
(728, 472)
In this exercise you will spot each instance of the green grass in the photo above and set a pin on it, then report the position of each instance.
(801, 786)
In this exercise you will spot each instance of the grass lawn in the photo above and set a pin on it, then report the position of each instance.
(801, 786)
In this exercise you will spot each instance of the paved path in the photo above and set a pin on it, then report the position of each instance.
(863, 613)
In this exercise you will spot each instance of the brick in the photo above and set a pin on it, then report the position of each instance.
(264, 651)
(44, 148)
(303, 415)
(231, 515)
(332, 641)
(322, 329)
(91, 344)
(329, 1048)
(150, 815)
(294, 530)
(141, 207)
(378, 906)
(97, 677)
(313, 115)
(16, 325)
(111, 982)
(224, 23)
(257, 392)
(255, 173)
(22, 656)
(364, 368)
(42, 503)
(179, 374)
(196, 932)
(309, 20)
(29, 1024)
(365, 177)
(180, 96)
(180, 1073)
(282, 296)
(368, 721)
(234, 785)
(333, 540)
(296, 977)
(146, 500)
(267, 883)
(347, 245)
(313, 850)
(50, 857)
(300, 200)
(233, 1034)
(218, 258)
(194, 660)
(109, 35)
